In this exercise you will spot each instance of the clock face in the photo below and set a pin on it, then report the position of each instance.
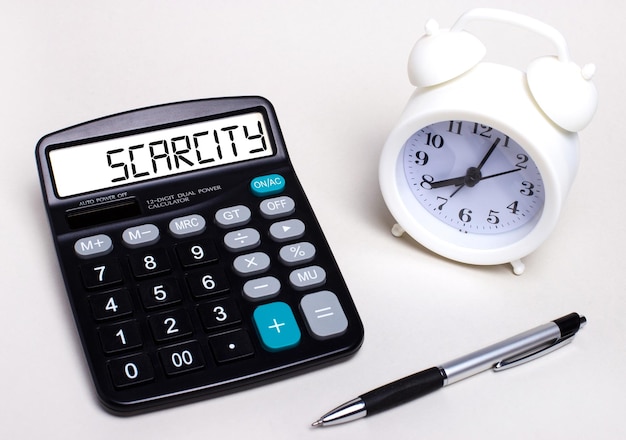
(473, 177)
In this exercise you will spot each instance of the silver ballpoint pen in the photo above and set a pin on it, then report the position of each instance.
(506, 354)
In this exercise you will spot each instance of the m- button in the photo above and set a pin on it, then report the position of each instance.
(142, 235)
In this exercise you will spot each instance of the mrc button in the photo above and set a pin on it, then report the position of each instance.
(188, 225)
(267, 185)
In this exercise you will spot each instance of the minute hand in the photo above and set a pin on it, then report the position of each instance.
(493, 147)
(501, 174)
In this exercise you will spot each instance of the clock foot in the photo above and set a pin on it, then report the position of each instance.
(397, 230)
(518, 267)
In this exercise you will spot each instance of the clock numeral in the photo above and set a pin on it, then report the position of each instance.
(426, 181)
(528, 188)
(464, 215)
(421, 158)
(522, 161)
(443, 202)
(434, 140)
(482, 130)
(455, 127)
(513, 207)
(493, 218)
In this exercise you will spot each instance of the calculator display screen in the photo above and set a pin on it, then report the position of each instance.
(164, 152)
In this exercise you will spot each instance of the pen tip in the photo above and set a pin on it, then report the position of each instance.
(317, 423)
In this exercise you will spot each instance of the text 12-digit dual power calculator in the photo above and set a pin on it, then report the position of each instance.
(192, 259)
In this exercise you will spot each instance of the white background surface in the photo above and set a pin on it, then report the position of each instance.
(336, 73)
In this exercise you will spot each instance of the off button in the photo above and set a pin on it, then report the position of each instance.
(267, 185)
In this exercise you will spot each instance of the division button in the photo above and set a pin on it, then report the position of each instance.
(93, 246)
(276, 326)
(187, 226)
(261, 288)
(323, 314)
(241, 240)
(142, 235)
(287, 230)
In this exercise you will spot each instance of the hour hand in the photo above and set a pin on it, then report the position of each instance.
(456, 181)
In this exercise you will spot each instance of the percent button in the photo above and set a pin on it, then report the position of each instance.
(297, 253)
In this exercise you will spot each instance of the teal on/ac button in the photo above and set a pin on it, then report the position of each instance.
(276, 326)
(267, 185)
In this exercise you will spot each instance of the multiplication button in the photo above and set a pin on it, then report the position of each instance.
(323, 315)
(251, 264)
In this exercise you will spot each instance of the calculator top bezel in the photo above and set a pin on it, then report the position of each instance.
(145, 120)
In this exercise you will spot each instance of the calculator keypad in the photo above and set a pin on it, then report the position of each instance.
(182, 295)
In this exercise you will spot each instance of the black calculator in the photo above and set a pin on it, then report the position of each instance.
(192, 259)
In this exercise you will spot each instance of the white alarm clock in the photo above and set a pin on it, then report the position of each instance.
(479, 165)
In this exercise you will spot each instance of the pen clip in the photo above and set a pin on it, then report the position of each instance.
(506, 364)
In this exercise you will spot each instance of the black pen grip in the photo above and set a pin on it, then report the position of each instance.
(403, 390)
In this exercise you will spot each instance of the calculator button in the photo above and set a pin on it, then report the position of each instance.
(219, 313)
(159, 293)
(287, 230)
(170, 325)
(93, 246)
(267, 185)
(196, 253)
(261, 288)
(139, 236)
(131, 370)
(307, 277)
(187, 226)
(323, 315)
(233, 216)
(277, 207)
(276, 326)
(297, 253)
(101, 274)
(208, 282)
(181, 358)
(149, 263)
(231, 346)
(111, 304)
(120, 336)
(251, 264)
(242, 240)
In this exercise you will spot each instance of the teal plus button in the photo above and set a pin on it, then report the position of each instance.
(267, 185)
(276, 326)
